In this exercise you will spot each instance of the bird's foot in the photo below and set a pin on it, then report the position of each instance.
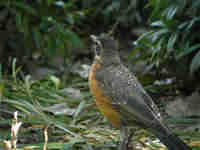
(126, 137)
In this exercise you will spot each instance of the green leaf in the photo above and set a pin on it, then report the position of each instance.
(144, 36)
(192, 22)
(50, 2)
(171, 41)
(158, 24)
(158, 7)
(158, 47)
(151, 3)
(79, 109)
(73, 38)
(52, 46)
(186, 51)
(114, 6)
(157, 34)
(195, 5)
(170, 12)
(18, 19)
(70, 144)
(37, 38)
(183, 25)
(195, 63)
(25, 7)
(70, 19)
(56, 81)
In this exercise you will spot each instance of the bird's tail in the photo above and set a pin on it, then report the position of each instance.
(171, 141)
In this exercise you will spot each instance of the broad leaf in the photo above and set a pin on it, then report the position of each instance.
(171, 41)
(188, 51)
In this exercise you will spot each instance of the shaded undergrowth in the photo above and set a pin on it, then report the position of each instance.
(73, 120)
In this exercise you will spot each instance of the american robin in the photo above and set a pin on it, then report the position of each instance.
(122, 99)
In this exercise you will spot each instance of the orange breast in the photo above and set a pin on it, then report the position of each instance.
(102, 102)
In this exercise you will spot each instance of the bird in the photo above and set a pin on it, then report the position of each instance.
(122, 99)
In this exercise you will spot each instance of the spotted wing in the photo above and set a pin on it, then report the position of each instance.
(134, 105)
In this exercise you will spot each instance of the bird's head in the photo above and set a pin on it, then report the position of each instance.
(105, 46)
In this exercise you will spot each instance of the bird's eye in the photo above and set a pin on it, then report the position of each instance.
(97, 46)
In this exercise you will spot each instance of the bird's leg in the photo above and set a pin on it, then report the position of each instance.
(123, 138)
(130, 135)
